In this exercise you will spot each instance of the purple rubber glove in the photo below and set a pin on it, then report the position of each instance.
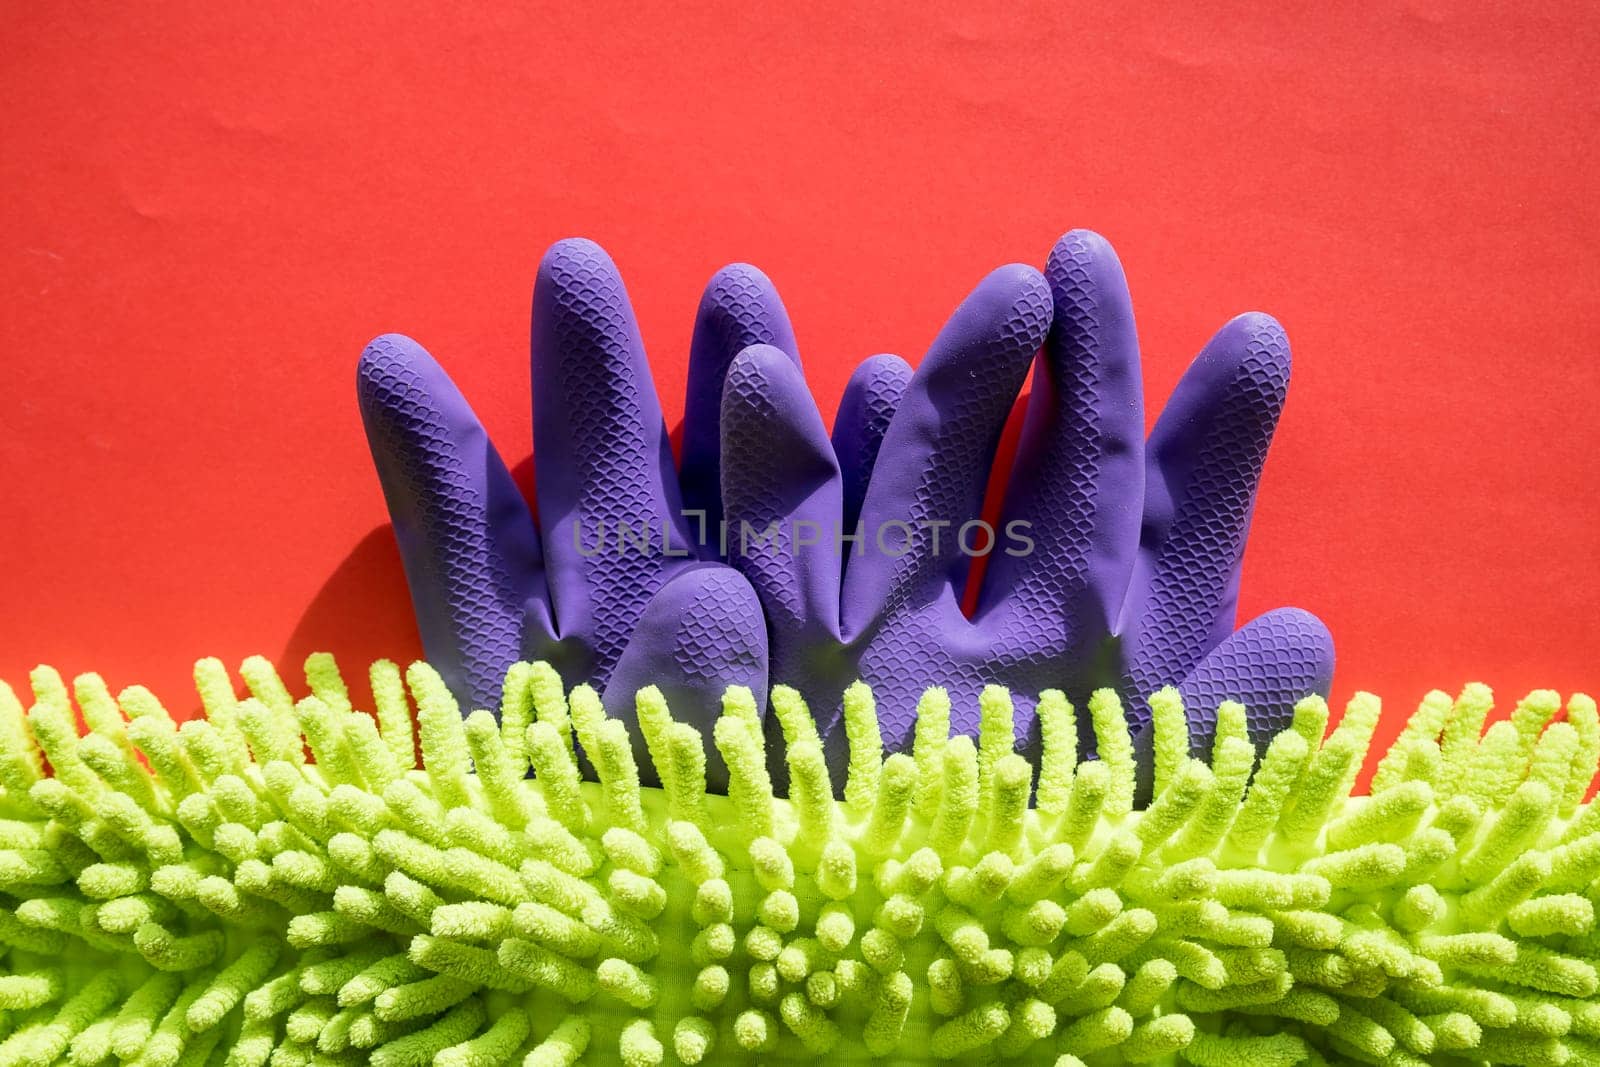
(1127, 555)
(610, 584)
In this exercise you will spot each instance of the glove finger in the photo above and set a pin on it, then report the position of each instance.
(781, 492)
(469, 545)
(870, 399)
(1078, 479)
(1268, 665)
(702, 633)
(607, 489)
(934, 464)
(740, 308)
(1202, 466)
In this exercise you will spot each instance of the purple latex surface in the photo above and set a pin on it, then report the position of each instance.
(1133, 575)
(609, 584)
(1131, 581)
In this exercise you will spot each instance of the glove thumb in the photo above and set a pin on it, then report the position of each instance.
(701, 633)
(1269, 665)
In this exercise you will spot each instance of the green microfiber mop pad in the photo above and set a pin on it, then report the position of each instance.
(279, 883)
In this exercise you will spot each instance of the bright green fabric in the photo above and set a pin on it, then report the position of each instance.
(276, 882)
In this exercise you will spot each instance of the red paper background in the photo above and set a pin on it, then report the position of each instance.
(210, 207)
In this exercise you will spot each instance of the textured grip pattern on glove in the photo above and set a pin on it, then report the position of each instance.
(715, 641)
(1133, 576)
(1078, 473)
(973, 400)
(916, 646)
(702, 633)
(871, 397)
(749, 414)
(1195, 571)
(740, 308)
(913, 454)
(1283, 651)
(633, 606)
(1064, 484)
(469, 607)
(587, 345)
